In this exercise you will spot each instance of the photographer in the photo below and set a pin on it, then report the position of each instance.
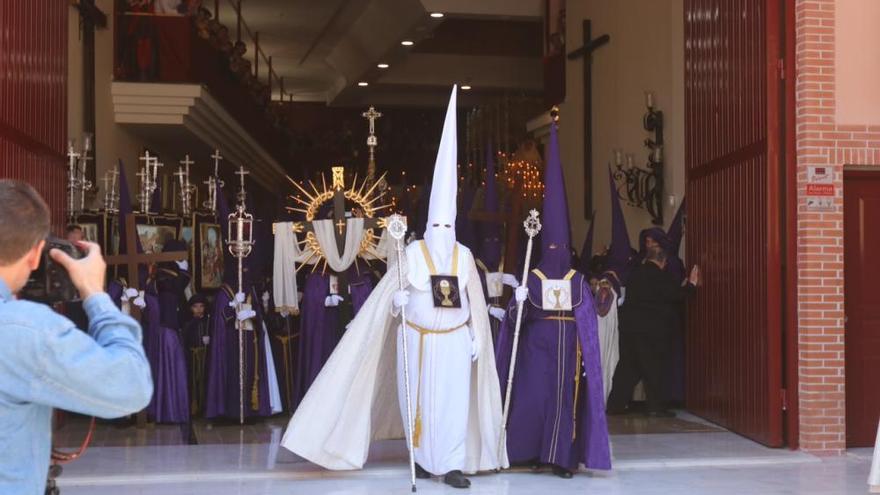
(45, 362)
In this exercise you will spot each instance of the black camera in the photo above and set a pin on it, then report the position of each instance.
(50, 283)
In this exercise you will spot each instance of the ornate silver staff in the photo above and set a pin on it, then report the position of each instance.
(532, 225)
(85, 184)
(241, 242)
(213, 184)
(396, 225)
(111, 195)
(72, 178)
(186, 188)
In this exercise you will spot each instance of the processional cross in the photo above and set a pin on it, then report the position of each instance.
(586, 52)
(339, 192)
(132, 259)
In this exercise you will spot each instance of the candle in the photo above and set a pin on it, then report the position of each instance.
(87, 141)
(658, 154)
(618, 157)
(649, 99)
(239, 224)
(629, 160)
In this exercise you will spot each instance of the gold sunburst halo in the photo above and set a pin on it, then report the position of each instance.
(365, 201)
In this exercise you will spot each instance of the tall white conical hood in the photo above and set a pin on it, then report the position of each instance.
(440, 228)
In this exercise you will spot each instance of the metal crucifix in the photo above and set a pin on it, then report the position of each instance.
(586, 52)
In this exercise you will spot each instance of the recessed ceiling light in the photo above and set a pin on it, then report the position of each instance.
(466, 87)
(436, 15)
(383, 66)
(363, 83)
(407, 43)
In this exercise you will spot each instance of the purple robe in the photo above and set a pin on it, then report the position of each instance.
(555, 419)
(320, 327)
(222, 400)
(196, 355)
(170, 402)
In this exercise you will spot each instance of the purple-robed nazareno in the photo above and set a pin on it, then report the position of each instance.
(222, 397)
(620, 254)
(170, 402)
(555, 416)
(319, 325)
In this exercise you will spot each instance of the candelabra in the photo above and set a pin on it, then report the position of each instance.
(241, 243)
(643, 187)
(187, 189)
(148, 180)
(111, 194)
(214, 183)
(77, 170)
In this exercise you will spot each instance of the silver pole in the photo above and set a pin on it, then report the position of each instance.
(532, 225)
(397, 229)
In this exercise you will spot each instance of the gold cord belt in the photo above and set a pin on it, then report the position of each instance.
(560, 318)
(417, 429)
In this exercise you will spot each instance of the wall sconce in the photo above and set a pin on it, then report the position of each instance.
(643, 187)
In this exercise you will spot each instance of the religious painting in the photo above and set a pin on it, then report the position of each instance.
(154, 237)
(186, 235)
(211, 255)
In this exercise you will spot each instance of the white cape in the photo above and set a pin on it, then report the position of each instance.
(609, 345)
(353, 401)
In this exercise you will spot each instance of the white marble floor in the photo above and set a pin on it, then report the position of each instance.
(696, 463)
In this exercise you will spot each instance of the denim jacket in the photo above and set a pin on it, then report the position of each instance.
(45, 363)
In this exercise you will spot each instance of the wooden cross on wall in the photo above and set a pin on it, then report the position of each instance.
(586, 52)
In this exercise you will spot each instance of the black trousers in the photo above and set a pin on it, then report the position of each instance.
(643, 356)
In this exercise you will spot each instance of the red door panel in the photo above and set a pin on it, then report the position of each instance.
(33, 96)
(732, 143)
(861, 211)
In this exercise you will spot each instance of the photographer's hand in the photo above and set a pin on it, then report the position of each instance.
(87, 274)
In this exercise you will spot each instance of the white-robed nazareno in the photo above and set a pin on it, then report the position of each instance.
(355, 398)
(874, 477)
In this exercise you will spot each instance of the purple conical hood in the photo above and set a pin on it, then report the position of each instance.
(620, 252)
(555, 235)
(126, 208)
(586, 254)
(676, 228)
(490, 249)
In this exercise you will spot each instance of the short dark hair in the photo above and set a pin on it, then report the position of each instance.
(24, 220)
(73, 227)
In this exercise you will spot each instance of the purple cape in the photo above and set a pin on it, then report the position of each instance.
(530, 433)
(223, 371)
(319, 325)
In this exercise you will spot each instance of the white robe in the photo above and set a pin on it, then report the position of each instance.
(874, 477)
(609, 345)
(352, 401)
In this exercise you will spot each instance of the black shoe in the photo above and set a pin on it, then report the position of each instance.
(562, 472)
(456, 479)
(421, 473)
(662, 413)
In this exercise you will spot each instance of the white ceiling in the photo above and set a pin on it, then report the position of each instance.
(322, 48)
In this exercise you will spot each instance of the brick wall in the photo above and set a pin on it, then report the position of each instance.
(821, 140)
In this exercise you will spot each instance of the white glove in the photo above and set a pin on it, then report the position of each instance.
(333, 300)
(400, 298)
(246, 314)
(139, 301)
(129, 293)
(206, 340)
(285, 313)
(475, 349)
(238, 299)
(497, 313)
(183, 265)
(508, 279)
(521, 294)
